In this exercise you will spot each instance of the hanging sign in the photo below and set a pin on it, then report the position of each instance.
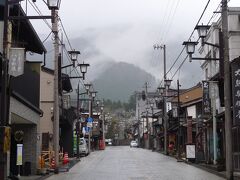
(19, 154)
(16, 61)
(206, 102)
(235, 65)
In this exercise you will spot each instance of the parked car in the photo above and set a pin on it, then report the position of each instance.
(83, 147)
(133, 144)
(109, 143)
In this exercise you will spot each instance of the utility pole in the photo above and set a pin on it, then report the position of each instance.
(4, 95)
(147, 142)
(156, 46)
(179, 124)
(89, 115)
(138, 111)
(164, 100)
(56, 95)
(227, 93)
(103, 127)
(78, 123)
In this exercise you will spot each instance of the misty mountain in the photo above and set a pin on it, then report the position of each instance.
(120, 80)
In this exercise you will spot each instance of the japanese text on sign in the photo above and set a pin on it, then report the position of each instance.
(206, 99)
(235, 65)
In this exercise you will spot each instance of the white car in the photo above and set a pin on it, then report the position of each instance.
(109, 143)
(133, 144)
(83, 147)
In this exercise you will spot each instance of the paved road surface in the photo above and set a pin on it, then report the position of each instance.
(125, 163)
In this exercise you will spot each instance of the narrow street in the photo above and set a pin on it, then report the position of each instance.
(125, 163)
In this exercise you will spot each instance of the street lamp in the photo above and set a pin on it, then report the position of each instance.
(202, 30)
(167, 83)
(190, 48)
(161, 90)
(93, 94)
(74, 55)
(53, 4)
(83, 68)
(87, 86)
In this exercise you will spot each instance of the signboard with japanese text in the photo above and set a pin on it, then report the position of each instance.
(206, 101)
(19, 154)
(16, 61)
(235, 66)
(168, 106)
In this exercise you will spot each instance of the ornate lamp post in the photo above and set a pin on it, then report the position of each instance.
(74, 55)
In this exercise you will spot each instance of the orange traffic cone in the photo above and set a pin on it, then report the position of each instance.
(65, 158)
(53, 165)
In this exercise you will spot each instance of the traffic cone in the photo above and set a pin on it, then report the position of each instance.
(65, 158)
(53, 165)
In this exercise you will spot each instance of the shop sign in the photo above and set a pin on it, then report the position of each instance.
(206, 102)
(235, 66)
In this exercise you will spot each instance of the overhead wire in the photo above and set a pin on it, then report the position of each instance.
(38, 11)
(163, 18)
(64, 31)
(35, 7)
(47, 37)
(170, 20)
(205, 8)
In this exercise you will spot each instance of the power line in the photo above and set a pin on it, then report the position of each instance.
(65, 34)
(47, 37)
(188, 39)
(35, 7)
(170, 20)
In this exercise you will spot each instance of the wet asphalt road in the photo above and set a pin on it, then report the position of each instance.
(125, 163)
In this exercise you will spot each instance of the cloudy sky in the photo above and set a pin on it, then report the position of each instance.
(126, 30)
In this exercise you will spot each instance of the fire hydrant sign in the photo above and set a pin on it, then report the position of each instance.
(19, 154)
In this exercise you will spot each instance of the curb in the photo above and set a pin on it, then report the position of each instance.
(207, 169)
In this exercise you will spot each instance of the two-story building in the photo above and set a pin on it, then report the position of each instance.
(214, 73)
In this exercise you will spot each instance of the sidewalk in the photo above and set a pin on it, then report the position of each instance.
(206, 167)
(209, 168)
(72, 162)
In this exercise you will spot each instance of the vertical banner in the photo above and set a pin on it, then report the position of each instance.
(19, 154)
(16, 61)
(206, 102)
(189, 130)
(235, 66)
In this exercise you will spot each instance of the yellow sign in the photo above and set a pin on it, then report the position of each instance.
(7, 139)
